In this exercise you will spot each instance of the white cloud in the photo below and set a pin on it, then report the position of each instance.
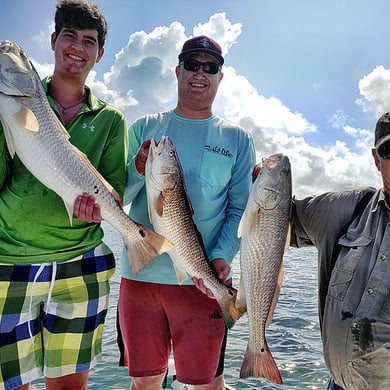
(375, 89)
(338, 119)
(42, 39)
(221, 29)
(43, 69)
(142, 80)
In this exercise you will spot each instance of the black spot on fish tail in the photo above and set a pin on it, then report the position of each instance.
(215, 315)
(142, 232)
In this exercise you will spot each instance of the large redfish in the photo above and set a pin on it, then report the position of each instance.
(34, 133)
(171, 213)
(264, 232)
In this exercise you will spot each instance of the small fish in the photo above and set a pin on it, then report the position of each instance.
(171, 213)
(35, 134)
(264, 231)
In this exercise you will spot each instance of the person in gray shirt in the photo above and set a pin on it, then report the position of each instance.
(353, 242)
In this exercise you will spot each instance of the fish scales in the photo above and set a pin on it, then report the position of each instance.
(179, 226)
(264, 232)
(171, 213)
(34, 133)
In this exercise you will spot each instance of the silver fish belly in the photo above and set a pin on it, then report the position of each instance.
(264, 232)
(34, 133)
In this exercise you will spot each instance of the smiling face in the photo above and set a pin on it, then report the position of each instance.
(197, 90)
(76, 51)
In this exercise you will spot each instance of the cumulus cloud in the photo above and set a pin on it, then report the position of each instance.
(142, 80)
(375, 91)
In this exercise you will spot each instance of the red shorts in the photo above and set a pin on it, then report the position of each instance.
(154, 316)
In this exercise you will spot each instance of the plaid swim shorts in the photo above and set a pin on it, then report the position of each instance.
(52, 316)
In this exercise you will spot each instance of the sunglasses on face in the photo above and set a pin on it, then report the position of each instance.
(384, 150)
(194, 65)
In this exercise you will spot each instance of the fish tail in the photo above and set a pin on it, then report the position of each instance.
(260, 364)
(145, 248)
(232, 313)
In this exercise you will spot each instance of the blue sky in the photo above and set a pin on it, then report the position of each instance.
(307, 78)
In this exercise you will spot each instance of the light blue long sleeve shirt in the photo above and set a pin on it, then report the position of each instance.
(217, 158)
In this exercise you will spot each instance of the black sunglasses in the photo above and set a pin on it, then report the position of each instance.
(194, 65)
(384, 150)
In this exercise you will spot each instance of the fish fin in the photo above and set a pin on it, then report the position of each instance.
(251, 219)
(231, 312)
(240, 299)
(69, 210)
(27, 119)
(180, 273)
(275, 297)
(142, 250)
(288, 238)
(260, 364)
(159, 204)
(150, 202)
(24, 118)
(242, 224)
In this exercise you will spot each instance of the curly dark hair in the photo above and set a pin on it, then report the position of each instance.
(80, 14)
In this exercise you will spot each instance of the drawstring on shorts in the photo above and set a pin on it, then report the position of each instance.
(53, 277)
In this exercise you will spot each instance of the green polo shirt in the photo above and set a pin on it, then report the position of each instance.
(34, 224)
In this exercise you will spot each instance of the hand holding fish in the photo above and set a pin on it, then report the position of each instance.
(221, 269)
(142, 156)
(86, 209)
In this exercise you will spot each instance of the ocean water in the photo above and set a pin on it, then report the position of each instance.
(293, 336)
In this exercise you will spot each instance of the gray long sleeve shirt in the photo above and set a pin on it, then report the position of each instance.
(355, 309)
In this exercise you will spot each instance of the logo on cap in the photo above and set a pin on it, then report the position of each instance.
(204, 42)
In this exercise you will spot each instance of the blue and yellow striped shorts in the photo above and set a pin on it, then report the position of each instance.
(52, 316)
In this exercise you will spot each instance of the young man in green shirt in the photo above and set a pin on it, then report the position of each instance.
(54, 277)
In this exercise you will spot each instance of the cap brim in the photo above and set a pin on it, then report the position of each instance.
(218, 57)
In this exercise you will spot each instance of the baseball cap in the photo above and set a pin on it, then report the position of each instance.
(202, 44)
(382, 129)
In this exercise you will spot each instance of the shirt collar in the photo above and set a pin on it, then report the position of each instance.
(381, 200)
(92, 101)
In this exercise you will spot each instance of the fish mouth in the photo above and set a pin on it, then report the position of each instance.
(276, 161)
(8, 46)
(272, 161)
(153, 149)
(5, 46)
(157, 147)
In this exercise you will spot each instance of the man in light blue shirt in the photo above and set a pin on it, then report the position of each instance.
(217, 157)
(156, 313)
